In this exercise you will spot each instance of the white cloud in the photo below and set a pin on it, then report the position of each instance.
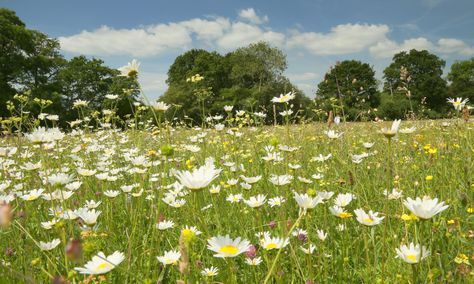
(242, 34)
(452, 45)
(154, 40)
(207, 30)
(387, 48)
(141, 42)
(250, 15)
(342, 39)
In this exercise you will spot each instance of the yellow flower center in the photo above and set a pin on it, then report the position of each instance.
(412, 257)
(344, 215)
(170, 261)
(31, 197)
(103, 266)
(229, 249)
(368, 220)
(271, 246)
(188, 233)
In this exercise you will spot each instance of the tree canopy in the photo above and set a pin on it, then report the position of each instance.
(423, 78)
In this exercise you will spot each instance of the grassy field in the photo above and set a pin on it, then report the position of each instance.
(113, 191)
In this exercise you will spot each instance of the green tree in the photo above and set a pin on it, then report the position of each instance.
(461, 77)
(28, 59)
(424, 70)
(353, 88)
(256, 65)
(90, 80)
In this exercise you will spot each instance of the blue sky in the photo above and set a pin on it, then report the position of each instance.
(314, 34)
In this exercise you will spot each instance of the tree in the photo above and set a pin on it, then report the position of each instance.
(354, 86)
(16, 41)
(423, 80)
(256, 65)
(90, 80)
(461, 77)
(246, 78)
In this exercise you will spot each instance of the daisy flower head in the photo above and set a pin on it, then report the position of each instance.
(101, 264)
(368, 219)
(425, 208)
(412, 253)
(390, 133)
(210, 272)
(200, 177)
(284, 98)
(170, 257)
(306, 202)
(253, 261)
(189, 233)
(458, 103)
(130, 70)
(224, 246)
(268, 242)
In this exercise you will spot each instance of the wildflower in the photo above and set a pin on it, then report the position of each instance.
(253, 261)
(101, 264)
(170, 257)
(32, 194)
(234, 198)
(163, 225)
(321, 235)
(343, 199)
(458, 103)
(43, 135)
(389, 133)
(130, 70)
(160, 106)
(88, 216)
(209, 272)
(228, 108)
(256, 201)
(276, 201)
(284, 98)
(308, 250)
(280, 180)
(395, 194)
(268, 242)
(49, 245)
(306, 202)
(190, 233)
(339, 212)
(412, 254)
(425, 208)
(370, 219)
(331, 134)
(224, 246)
(199, 178)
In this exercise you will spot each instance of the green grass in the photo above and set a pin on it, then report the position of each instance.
(358, 254)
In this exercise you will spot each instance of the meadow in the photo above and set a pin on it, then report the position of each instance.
(236, 202)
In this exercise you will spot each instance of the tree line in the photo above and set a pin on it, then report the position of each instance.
(32, 67)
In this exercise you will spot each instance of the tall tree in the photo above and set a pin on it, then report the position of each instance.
(461, 77)
(423, 79)
(353, 85)
(89, 79)
(256, 65)
(16, 41)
